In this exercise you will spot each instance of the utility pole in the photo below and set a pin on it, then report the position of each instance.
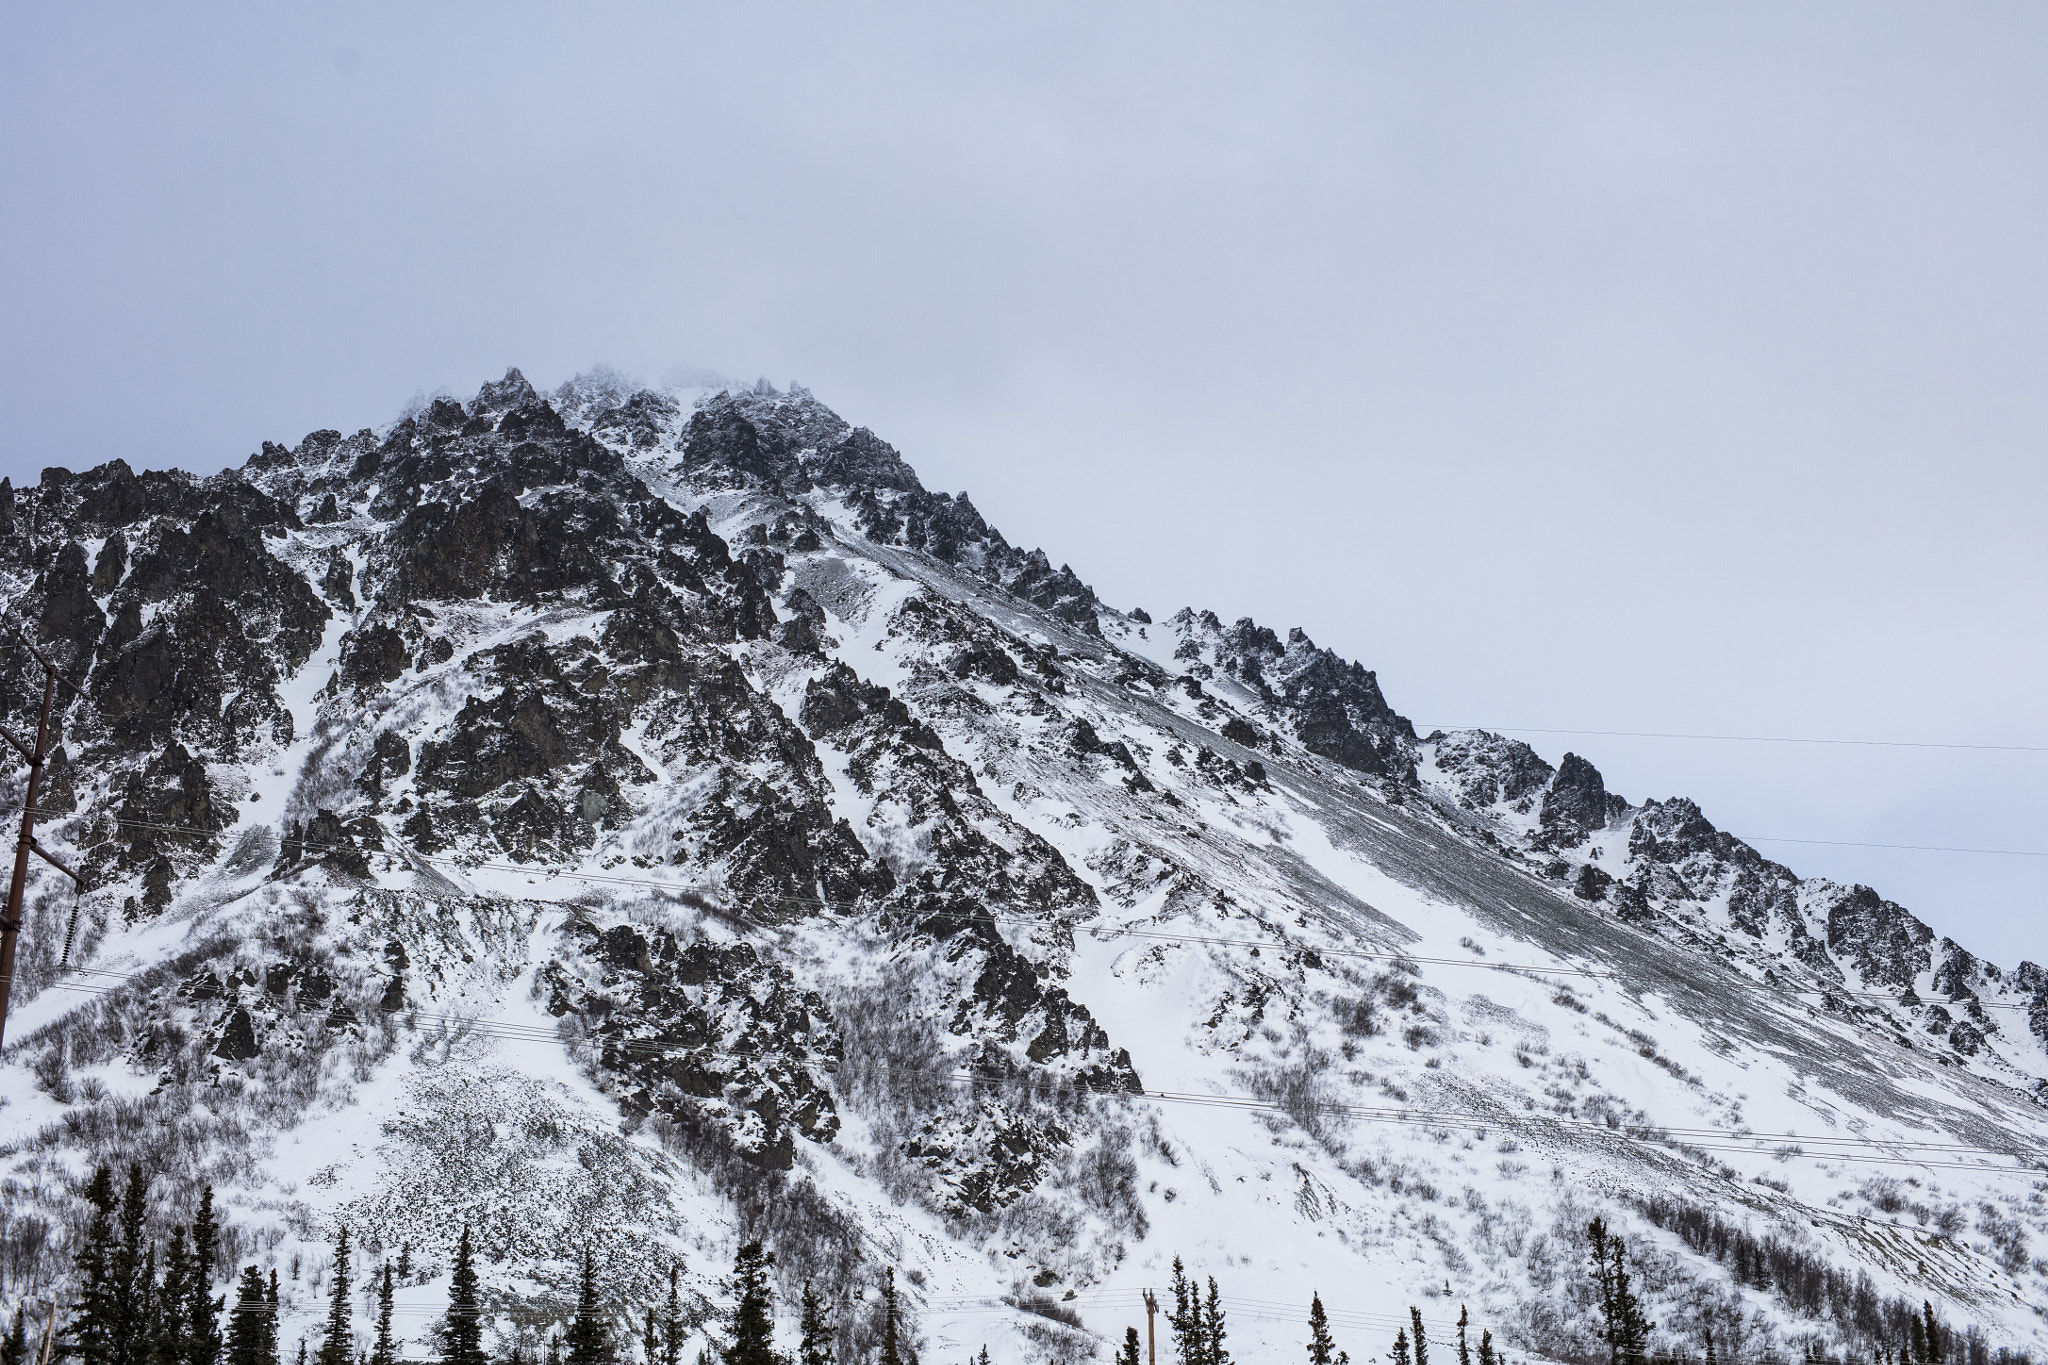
(49, 1332)
(10, 924)
(1151, 1340)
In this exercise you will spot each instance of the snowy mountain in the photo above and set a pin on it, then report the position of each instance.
(651, 820)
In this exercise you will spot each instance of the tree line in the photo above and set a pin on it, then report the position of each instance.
(1896, 1331)
(141, 1302)
(138, 1302)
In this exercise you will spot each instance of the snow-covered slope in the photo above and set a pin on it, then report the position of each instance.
(651, 820)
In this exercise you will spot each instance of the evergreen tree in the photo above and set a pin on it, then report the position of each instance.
(1321, 1349)
(463, 1338)
(202, 1309)
(815, 1346)
(149, 1326)
(130, 1276)
(249, 1325)
(14, 1348)
(1711, 1359)
(270, 1320)
(1421, 1337)
(650, 1339)
(982, 1359)
(752, 1326)
(1401, 1356)
(891, 1355)
(173, 1301)
(672, 1320)
(1626, 1330)
(1213, 1331)
(338, 1347)
(1931, 1329)
(1189, 1340)
(1487, 1357)
(1130, 1354)
(1464, 1352)
(405, 1261)
(590, 1339)
(555, 1349)
(91, 1324)
(385, 1351)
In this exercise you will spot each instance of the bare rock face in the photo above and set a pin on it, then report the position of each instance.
(820, 826)
(703, 1025)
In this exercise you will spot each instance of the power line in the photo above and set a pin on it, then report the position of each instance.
(1910, 848)
(1755, 739)
(1704, 1138)
(961, 916)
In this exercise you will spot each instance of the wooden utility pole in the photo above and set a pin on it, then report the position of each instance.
(49, 1331)
(1151, 1339)
(10, 923)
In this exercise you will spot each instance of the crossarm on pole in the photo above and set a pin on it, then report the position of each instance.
(27, 754)
(55, 862)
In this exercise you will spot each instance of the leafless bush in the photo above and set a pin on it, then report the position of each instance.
(1298, 1086)
(2007, 1237)
(1045, 1306)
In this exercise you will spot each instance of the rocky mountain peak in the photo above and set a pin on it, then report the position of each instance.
(654, 817)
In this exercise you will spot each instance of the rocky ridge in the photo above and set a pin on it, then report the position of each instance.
(837, 845)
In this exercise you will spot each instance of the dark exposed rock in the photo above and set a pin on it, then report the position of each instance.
(1488, 769)
(112, 565)
(237, 1037)
(167, 817)
(804, 631)
(1886, 945)
(1335, 708)
(1574, 804)
(708, 1024)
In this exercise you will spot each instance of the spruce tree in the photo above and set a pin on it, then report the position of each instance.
(752, 1326)
(172, 1303)
(1931, 1329)
(1131, 1352)
(1401, 1356)
(1711, 1359)
(129, 1276)
(1626, 1329)
(1421, 1337)
(14, 1348)
(270, 1320)
(338, 1346)
(91, 1324)
(1189, 1339)
(1213, 1331)
(672, 1320)
(1487, 1357)
(590, 1339)
(249, 1325)
(1464, 1352)
(650, 1338)
(385, 1350)
(405, 1261)
(891, 1354)
(202, 1309)
(462, 1340)
(815, 1345)
(1321, 1349)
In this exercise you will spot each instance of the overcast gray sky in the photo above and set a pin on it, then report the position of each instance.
(1673, 368)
